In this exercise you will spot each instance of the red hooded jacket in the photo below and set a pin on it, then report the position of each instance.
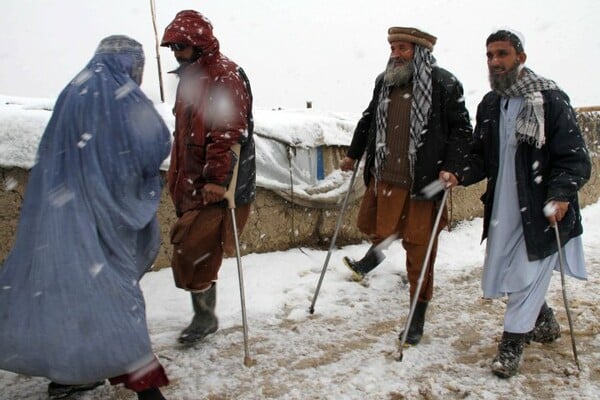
(211, 113)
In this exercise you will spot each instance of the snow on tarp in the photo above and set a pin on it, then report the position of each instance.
(297, 151)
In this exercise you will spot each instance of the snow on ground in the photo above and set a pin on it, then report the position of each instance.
(345, 350)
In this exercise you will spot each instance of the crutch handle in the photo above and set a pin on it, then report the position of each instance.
(230, 193)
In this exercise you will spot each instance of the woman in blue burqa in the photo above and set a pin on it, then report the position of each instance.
(71, 307)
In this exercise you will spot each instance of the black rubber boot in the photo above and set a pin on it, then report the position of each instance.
(60, 391)
(205, 321)
(362, 267)
(150, 394)
(546, 328)
(506, 363)
(415, 330)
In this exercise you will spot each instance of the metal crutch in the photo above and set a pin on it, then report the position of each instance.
(564, 294)
(230, 197)
(333, 239)
(422, 275)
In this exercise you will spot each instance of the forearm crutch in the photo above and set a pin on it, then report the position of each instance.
(230, 197)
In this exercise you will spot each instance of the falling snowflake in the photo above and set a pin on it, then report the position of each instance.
(82, 77)
(125, 90)
(549, 209)
(85, 137)
(60, 196)
(201, 258)
(96, 268)
(10, 183)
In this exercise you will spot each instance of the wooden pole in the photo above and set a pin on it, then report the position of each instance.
(157, 48)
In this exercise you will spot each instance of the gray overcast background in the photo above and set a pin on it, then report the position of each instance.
(325, 51)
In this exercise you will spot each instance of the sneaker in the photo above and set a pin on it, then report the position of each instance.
(507, 361)
(357, 274)
(60, 391)
(546, 329)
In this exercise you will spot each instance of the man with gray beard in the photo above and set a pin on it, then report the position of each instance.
(529, 147)
(415, 131)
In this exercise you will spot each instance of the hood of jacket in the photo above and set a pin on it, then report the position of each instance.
(193, 29)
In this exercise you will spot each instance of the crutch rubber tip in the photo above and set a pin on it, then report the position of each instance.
(249, 362)
(311, 310)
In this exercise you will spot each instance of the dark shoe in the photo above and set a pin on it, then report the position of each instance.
(546, 328)
(60, 391)
(415, 330)
(204, 321)
(357, 274)
(506, 363)
(150, 394)
(362, 267)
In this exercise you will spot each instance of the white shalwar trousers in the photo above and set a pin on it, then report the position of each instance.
(507, 269)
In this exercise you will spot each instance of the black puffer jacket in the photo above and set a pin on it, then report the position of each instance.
(444, 145)
(562, 164)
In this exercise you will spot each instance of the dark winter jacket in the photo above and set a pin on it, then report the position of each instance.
(444, 145)
(213, 112)
(556, 171)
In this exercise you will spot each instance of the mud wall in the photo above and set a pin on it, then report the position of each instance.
(276, 224)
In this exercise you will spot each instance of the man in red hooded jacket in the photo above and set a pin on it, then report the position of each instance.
(213, 112)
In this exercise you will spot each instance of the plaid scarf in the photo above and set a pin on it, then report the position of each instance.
(420, 109)
(530, 121)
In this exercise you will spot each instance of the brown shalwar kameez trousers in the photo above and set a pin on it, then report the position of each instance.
(387, 207)
(199, 238)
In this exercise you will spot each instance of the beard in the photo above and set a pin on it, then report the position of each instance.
(398, 75)
(186, 61)
(502, 81)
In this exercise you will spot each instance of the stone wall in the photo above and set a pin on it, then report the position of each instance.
(276, 224)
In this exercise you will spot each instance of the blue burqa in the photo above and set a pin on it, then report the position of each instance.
(71, 308)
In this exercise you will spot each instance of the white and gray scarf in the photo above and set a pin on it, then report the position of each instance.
(530, 121)
(423, 63)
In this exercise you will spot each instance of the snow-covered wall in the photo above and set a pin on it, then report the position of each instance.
(292, 145)
(275, 223)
